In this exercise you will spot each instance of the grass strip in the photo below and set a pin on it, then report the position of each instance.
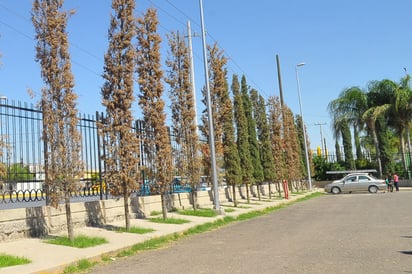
(174, 221)
(200, 212)
(8, 260)
(135, 229)
(80, 241)
(80, 266)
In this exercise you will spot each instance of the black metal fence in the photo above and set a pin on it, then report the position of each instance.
(22, 155)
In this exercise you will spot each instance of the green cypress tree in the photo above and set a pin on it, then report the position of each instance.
(303, 172)
(231, 157)
(242, 136)
(263, 133)
(253, 142)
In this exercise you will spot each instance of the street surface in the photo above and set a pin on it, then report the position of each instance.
(348, 233)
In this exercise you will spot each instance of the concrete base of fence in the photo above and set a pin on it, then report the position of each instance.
(41, 221)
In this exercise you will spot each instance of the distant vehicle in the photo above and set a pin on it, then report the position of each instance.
(356, 182)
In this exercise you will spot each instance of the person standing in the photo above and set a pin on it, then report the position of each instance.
(389, 183)
(396, 181)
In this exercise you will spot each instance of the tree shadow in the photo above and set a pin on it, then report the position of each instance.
(136, 208)
(36, 222)
(95, 216)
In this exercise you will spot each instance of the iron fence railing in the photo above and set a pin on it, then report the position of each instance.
(22, 155)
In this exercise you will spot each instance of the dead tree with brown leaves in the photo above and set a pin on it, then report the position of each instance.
(183, 112)
(61, 137)
(218, 87)
(150, 74)
(121, 143)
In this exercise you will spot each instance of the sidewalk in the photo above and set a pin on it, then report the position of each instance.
(49, 258)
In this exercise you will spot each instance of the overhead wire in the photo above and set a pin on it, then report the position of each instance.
(220, 46)
(29, 37)
(167, 13)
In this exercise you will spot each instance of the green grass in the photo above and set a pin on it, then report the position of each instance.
(80, 266)
(80, 241)
(174, 221)
(8, 260)
(135, 229)
(200, 212)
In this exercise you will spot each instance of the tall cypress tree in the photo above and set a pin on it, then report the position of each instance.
(292, 147)
(150, 77)
(231, 157)
(253, 142)
(218, 86)
(277, 140)
(263, 133)
(121, 157)
(60, 116)
(242, 136)
(183, 112)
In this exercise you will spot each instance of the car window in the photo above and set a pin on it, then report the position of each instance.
(351, 179)
(363, 178)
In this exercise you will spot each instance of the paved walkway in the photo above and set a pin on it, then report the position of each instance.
(48, 258)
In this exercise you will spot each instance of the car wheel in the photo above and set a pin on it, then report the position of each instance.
(335, 190)
(373, 189)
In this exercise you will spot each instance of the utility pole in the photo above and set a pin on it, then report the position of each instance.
(192, 71)
(279, 81)
(210, 118)
(321, 138)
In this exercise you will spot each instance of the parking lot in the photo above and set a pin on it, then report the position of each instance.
(346, 233)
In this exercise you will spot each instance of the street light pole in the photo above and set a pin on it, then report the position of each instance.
(303, 127)
(210, 118)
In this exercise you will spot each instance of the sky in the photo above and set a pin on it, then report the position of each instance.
(342, 43)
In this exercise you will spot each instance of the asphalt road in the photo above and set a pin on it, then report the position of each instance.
(350, 233)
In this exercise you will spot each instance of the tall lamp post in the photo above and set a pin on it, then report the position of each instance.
(303, 127)
(210, 118)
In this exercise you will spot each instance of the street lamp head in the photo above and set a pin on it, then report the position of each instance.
(300, 64)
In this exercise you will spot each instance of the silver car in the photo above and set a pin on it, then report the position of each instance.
(356, 182)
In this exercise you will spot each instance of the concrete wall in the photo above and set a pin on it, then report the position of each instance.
(41, 221)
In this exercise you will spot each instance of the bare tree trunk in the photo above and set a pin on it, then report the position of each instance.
(270, 189)
(408, 137)
(164, 207)
(194, 198)
(402, 141)
(378, 153)
(247, 193)
(234, 195)
(70, 232)
(126, 208)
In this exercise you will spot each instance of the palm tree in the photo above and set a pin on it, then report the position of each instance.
(350, 105)
(403, 112)
(377, 117)
(340, 128)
